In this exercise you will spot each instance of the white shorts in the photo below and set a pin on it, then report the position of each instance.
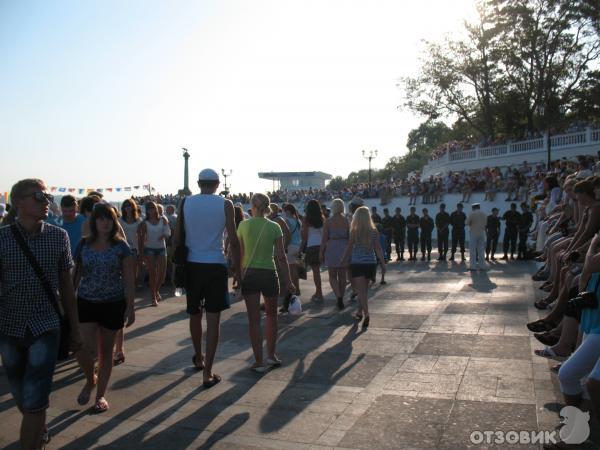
(292, 253)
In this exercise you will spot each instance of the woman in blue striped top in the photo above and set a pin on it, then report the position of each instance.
(363, 251)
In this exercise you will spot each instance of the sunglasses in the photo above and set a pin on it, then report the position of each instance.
(40, 196)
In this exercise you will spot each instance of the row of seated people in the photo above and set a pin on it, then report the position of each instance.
(568, 247)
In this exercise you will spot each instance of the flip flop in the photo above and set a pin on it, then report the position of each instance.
(213, 380)
(118, 358)
(548, 353)
(555, 368)
(196, 366)
(45, 436)
(100, 406)
(358, 316)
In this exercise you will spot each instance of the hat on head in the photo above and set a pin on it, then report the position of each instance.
(208, 175)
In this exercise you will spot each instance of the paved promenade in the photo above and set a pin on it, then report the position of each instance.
(447, 353)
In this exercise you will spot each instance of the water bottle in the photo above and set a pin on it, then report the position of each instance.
(179, 292)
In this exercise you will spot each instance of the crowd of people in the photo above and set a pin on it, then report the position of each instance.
(89, 257)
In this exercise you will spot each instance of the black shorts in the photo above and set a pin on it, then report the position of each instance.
(206, 287)
(109, 315)
(261, 281)
(312, 255)
(369, 271)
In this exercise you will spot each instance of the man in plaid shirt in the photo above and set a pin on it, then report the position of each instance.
(29, 324)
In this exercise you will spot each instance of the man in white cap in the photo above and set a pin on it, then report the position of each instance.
(477, 221)
(203, 218)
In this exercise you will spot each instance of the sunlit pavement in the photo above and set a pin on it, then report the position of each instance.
(446, 353)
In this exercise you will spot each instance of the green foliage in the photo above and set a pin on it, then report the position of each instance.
(524, 65)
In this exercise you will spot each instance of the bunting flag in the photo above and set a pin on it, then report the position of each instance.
(86, 191)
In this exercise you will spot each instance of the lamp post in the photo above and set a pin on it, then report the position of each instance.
(186, 177)
(225, 175)
(541, 111)
(370, 155)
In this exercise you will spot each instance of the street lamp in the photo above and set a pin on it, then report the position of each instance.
(225, 175)
(370, 155)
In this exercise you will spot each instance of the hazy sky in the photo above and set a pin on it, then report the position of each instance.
(105, 93)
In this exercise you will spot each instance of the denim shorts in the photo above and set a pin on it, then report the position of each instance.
(155, 251)
(29, 363)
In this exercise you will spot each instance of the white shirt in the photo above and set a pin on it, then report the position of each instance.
(155, 234)
(204, 219)
(477, 221)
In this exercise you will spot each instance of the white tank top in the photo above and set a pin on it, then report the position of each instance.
(155, 233)
(131, 230)
(204, 218)
(314, 236)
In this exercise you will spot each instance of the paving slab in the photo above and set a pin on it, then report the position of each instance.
(446, 353)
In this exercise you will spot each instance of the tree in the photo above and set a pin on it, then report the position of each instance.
(523, 65)
(337, 184)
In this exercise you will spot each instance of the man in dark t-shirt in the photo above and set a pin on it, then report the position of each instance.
(512, 219)
(492, 229)
(412, 233)
(388, 231)
(458, 220)
(426, 224)
(399, 227)
(442, 223)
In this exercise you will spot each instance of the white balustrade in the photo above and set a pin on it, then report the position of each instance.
(564, 140)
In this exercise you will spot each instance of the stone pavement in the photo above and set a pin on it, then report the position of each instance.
(447, 353)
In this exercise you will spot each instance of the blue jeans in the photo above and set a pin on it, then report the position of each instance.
(29, 363)
(154, 251)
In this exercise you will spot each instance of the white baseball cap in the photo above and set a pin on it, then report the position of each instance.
(208, 175)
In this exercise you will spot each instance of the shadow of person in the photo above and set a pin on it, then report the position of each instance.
(325, 371)
(480, 281)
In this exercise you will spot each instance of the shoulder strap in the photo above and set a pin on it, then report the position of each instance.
(182, 224)
(36, 267)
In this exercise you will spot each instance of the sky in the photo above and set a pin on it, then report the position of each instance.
(101, 94)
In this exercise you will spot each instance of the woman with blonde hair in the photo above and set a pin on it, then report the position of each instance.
(363, 251)
(333, 243)
(261, 240)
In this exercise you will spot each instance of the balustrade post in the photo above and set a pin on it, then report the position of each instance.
(477, 154)
(588, 135)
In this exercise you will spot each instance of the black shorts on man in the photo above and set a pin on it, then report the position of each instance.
(206, 287)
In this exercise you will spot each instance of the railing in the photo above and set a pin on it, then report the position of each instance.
(496, 150)
(565, 140)
(579, 138)
(527, 146)
(465, 154)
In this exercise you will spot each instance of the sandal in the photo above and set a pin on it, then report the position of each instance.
(198, 367)
(213, 380)
(548, 353)
(358, 316)
(273, 362)
(540, 325)
(259, 368)
(555, 368)
(100, 406)
(546, 287)
(118, 358)
(45, 435)
(366, 322)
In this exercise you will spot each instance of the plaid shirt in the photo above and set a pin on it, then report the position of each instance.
(24, 304)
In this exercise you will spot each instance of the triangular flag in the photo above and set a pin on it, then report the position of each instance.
(109, 189)
(53, 188)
